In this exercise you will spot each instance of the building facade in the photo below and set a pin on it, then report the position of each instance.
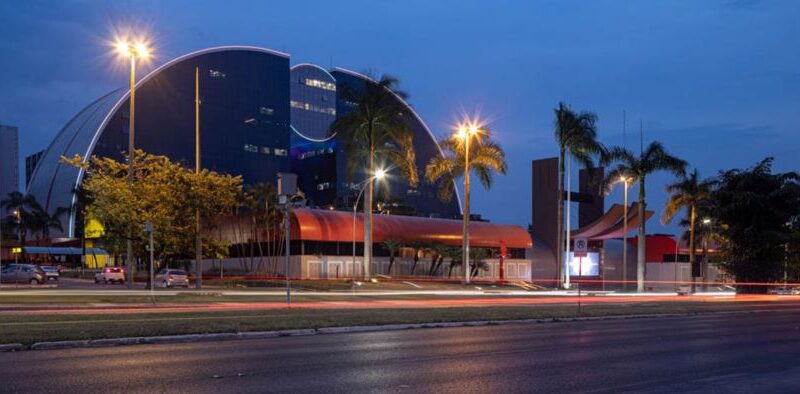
(30, 165)
(258, 117)
(9, 160)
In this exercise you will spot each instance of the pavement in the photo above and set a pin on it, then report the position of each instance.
(709, 353)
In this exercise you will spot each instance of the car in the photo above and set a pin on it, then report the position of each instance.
(23, 273)
(110, 275)
(51, 272)
(783, 290)
(169, 277)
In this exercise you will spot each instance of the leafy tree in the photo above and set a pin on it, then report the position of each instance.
(576, 134)
(757, 212)
(377, 134)
(163, 193)
(688, 192)
(636, 169)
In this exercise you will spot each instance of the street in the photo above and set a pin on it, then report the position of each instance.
(723, 352)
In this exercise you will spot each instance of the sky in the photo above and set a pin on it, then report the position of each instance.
(717, 81)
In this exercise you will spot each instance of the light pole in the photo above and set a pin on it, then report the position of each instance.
(19, 234)
(704, 267)
(624, 181)
(379, 174)
(133, 50)
(465, 133)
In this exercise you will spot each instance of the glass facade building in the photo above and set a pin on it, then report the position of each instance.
(258, 117)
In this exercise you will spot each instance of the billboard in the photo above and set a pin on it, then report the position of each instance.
(589, 264)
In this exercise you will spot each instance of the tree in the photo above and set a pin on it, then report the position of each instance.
(376, 134)
(478, 263)
(576, 135)
(636, 169)
(163, 193)
(28, 216)
(439, 252)
(392, 246)
(688, 192)
(486, 157)
(756, 212)
(418, 247)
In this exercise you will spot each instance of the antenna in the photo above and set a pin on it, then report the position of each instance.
(624, 132)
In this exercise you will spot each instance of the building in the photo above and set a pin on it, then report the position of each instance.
(30, 165)
(9, 160)
(259, 116)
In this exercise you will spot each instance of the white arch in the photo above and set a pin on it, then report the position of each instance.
(419, 119)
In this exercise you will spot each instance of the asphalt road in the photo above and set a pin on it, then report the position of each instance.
(711, 353)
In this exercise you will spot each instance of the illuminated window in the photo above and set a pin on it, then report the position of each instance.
(316, 83)
(280, 152)
(314, 108)
(323, 185)
(265, 150)
(250, 120)
(216, 74)
(250, 148)
(266, 111)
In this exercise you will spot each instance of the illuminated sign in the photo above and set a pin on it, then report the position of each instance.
(16, 250)
(587, 265)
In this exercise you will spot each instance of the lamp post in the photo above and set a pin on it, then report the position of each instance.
(379, 174)
(19, 234)
(136, 50)
(465, 133)
(624, 181)
(704, 267)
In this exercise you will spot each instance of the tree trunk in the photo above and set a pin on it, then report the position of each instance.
(692, 216)
(641, 248)
(368, 210)
(560, 222)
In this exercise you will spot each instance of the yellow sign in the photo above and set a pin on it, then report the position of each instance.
(16, 250)
(94, 229)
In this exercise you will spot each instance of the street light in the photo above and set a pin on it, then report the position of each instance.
(135, 50)
(625, 181)
(465, 132)
(379, 175)
(18, 218)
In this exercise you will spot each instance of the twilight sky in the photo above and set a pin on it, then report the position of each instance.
(718, 82)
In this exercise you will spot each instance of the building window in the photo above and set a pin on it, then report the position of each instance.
(314, 108)
(266, 111)
(323, 186)
(280, 152)
(316, 83)
(265, 150)
(250, 148)
(216, 74)
(249, 120)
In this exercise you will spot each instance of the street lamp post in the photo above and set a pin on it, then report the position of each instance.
(625, 236)
(379, 174)
(133, 50)
(18, 216)
(466, 132)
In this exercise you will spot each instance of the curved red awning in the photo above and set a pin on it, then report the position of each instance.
(611, 217)
(337, 226)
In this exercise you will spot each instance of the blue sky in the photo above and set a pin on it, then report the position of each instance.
(718, 82)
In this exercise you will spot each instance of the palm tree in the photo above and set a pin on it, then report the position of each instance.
(636, 169)
(483, 158)
(418, 247)
(687, 193)
(377, 134)
(22, 205)
(392, 246)
(576, 135)
(43, 222)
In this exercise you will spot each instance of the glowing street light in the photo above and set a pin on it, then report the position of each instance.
(624, 180)
(466, 131)
(379, 175)
(135, 50)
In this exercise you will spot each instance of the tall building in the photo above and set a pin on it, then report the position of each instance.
(9, 160)
(258, 117)
(30, 165)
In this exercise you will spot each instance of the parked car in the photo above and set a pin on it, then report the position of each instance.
(169, 277)
(51, 272)
(783, 290)
(110, 275)
(23, 273)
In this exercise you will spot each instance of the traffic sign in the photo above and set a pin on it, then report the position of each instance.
(581, 247)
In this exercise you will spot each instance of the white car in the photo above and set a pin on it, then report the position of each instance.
(169, 277)
(110, 275)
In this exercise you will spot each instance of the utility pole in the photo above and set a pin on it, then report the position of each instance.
(198, 252)
(287, 187)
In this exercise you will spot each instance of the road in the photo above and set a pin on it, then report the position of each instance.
(724, 353)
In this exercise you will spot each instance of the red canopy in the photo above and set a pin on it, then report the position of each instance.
(337, 226)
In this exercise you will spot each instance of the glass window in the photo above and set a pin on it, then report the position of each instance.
(250, 148)
(280, 152)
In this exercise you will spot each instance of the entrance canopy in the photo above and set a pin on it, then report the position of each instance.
(62, 251)
(612, 224)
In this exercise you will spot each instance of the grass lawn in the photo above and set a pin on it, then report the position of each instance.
(28, 329)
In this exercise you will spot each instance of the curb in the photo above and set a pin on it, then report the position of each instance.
(190, 338)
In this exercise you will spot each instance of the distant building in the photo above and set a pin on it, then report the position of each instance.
(9, 160)
(30, 165)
